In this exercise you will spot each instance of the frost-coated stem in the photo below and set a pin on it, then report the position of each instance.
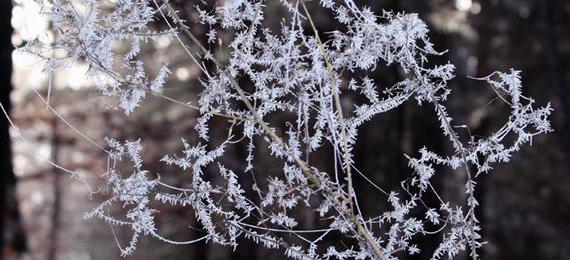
(344, 139)
(461, 149)
(369, 239)
(338, 106)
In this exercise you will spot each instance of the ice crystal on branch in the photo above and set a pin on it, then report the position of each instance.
(296, 75)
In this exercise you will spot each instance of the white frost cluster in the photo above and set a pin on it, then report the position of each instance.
(90, 30)
(299, 76)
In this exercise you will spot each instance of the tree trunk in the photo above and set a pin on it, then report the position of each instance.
(56, 206)
(11, 233)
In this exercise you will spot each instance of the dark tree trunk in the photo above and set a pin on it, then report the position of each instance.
(553, 59)
(56, 206)
(11, 235)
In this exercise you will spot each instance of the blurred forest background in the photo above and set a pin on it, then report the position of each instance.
(525, 205)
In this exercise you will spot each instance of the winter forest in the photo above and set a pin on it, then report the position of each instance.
(286, 129)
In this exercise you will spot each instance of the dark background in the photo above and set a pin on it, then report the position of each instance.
(525, 205)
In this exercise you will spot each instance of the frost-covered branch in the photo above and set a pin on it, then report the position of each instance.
(293, 72)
